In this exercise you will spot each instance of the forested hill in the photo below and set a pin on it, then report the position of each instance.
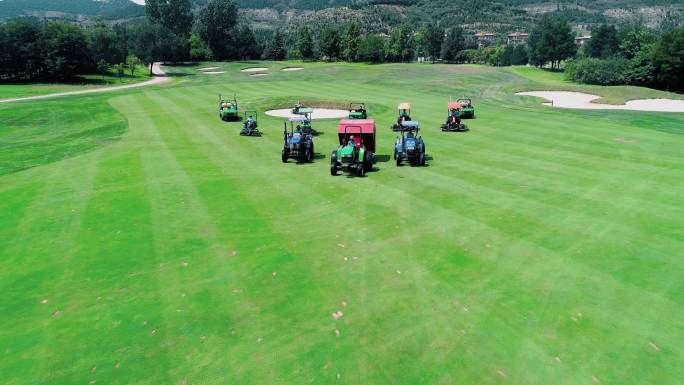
(70, 9)
(498, 15)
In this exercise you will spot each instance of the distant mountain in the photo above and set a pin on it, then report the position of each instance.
(71, 9)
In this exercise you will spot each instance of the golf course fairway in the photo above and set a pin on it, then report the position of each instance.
(143, 241)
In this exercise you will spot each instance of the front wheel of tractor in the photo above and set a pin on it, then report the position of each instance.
(284, 156)
(359, 170)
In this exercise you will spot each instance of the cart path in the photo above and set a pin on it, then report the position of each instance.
(159, 77)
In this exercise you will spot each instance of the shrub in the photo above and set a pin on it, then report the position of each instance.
(597, 71)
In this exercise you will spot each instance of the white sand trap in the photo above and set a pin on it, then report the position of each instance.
(254, 69)
(567, 99)
(259, 74)
(318, 113)
(287, 69)
(214, 72)
(207, 68)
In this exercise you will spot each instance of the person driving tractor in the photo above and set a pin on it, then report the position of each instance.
(403, 117)
(250, 121)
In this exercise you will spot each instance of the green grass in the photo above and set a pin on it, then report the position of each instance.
(20, 90)
(542, 247)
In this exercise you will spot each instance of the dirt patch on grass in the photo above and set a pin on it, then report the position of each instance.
(214, 72)
(289, 69)
(259, 74)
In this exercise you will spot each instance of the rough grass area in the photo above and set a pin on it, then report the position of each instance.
(542, 247)
(8, 91)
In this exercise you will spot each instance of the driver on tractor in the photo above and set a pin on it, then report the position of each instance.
(403, 117)
(250, 121)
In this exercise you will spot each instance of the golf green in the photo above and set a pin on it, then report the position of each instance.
(143, 241)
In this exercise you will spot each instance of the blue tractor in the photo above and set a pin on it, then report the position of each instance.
(408, 146)
(297, 144)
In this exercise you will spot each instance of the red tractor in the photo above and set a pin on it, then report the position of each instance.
(357, 147)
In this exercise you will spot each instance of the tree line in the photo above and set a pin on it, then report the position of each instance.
(32, 49)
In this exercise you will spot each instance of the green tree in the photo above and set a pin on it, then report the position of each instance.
(132, 63)
(147, 43)
(453, 44)
(519, 55)
(102, 67)
(552, 41)
(371, 49)
(246, 43)
(430, 38)
(275, 49)
(400, 46)
(604, 42)
(174, 15)
(351, 40)
(668, 60)
(65, 51)
(216, 26)
(305, 43)
(198, 49)
(21, 49)
(634, 40)
(329, 42)
(103, 44)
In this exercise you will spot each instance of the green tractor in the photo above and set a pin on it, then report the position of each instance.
(228, 109)
(357, 111)
(356, 153)
(300, 109)
(467, 111)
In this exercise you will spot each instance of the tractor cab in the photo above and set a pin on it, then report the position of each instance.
(357, 111)
(249, 127)
(356, 151)
(404, 110)
(228, 108)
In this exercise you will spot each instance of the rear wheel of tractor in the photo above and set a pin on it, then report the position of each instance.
(359, 170)
(421, 159)
(284, 156)
(310, 158)
(398, 160)
(333, 168)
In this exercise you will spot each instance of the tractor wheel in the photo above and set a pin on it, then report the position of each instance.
(284, 156)
(421, 159)
(395, 154)
(359, 170)
(333, 168)
(310, 158)
(398, 160)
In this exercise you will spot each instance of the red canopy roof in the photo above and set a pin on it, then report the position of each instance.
(454, 106)
(356, 126)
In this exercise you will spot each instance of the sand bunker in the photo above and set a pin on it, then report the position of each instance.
(292, 69)
(567, 99)
(254, 69)
(259, 74)
(214, 72)
(318, 113)
(207, 68)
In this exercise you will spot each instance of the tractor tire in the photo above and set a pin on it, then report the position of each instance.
(421, 159)
(310, 158)
(284, 156)
(398, 161)
(359, 171)
(395, 154)
(333, 168)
